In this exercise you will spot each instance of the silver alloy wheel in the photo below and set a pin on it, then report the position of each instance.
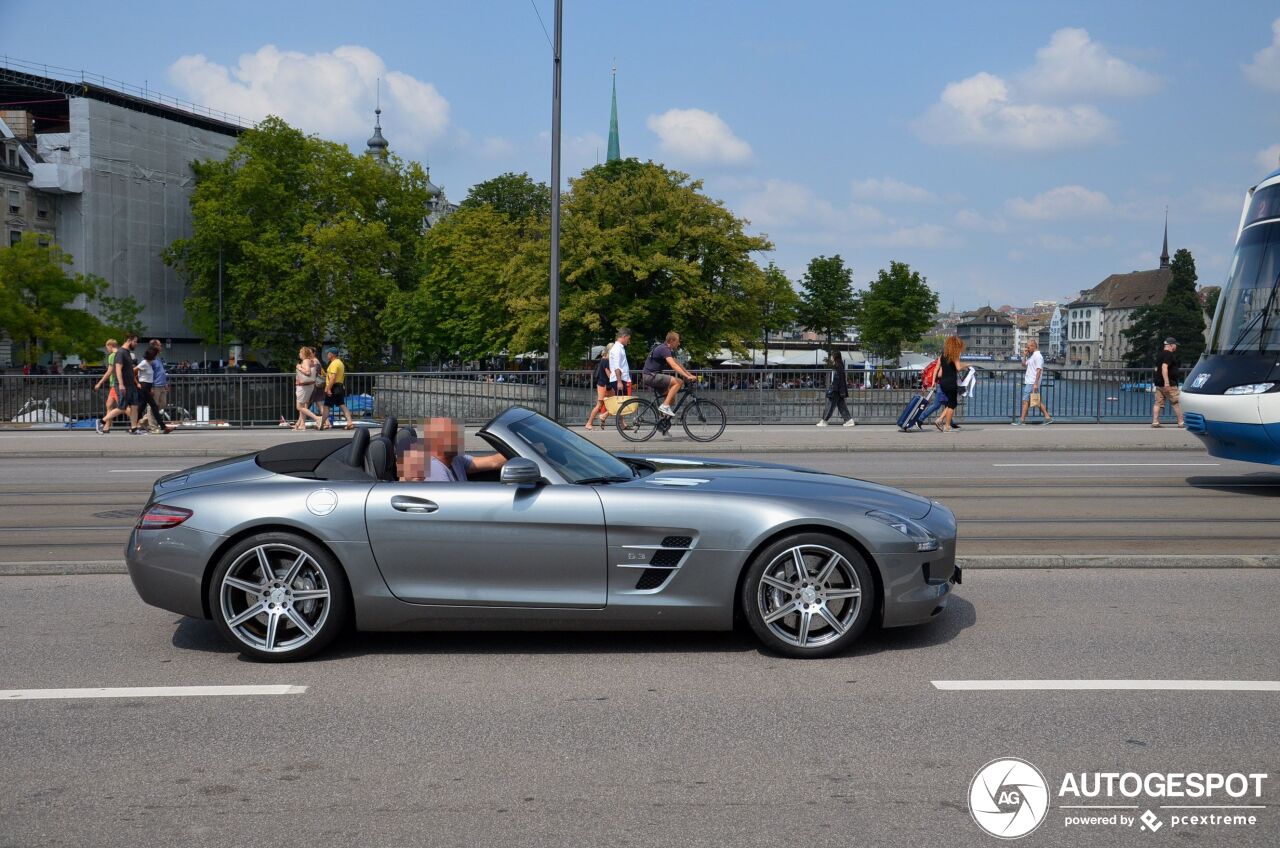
(275, 597)
(809, 595)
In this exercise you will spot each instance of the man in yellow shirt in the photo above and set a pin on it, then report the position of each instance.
(335, 391)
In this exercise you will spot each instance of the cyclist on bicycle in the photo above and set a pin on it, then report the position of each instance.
(663, 356)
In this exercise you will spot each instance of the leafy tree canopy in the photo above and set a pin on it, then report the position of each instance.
(1179, 316)
(311, 239)
(896, 309)
(779, 306)
(515, 195)
(641, 246)
(827, 303)
(38, 301)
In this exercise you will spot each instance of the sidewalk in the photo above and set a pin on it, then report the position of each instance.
(774, 439)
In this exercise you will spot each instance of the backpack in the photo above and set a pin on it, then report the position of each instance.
(929, 377)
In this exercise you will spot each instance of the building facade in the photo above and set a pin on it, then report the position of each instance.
(987, 332)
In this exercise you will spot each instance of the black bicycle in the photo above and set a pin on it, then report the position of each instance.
(637, 419)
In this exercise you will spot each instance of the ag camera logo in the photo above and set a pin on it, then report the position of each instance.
(1008, 798)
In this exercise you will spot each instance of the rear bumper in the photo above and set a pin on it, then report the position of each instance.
(167, 567)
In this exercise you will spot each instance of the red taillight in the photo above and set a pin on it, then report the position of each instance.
(159, 516)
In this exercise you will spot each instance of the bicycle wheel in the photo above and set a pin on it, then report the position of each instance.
(703, 420)
(636, 419)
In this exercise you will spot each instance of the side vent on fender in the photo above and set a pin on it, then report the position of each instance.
(652, 578)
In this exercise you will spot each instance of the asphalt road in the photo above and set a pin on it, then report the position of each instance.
(1008, 502)
(629, 739)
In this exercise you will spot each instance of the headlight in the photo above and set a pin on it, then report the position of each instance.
(925, 541)
(1250, 389)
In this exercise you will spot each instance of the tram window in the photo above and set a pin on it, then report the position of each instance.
(1265, 204)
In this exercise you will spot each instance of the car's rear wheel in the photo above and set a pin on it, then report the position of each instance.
(278, 597)
(808, 595)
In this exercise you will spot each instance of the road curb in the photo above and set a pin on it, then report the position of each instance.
(977, 563)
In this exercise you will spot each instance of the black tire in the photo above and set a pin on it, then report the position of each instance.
(637, 419)
(836, 616)
(703, 420)
(239, 584)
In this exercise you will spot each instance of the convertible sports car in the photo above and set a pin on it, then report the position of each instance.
(286, 548)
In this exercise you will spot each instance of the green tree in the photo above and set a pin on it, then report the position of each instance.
(459, 307)
(896, 309)
(38, 297)
(311, 240)
(515, 195)
(827, 302)
(121, 316)
(779, 305)
(641, 246)
(1179, 315)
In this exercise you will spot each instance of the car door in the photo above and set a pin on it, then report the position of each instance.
(490, 544)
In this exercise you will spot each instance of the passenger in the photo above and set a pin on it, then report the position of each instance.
(445, 460)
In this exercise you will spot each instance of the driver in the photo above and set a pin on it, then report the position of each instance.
(445, 461)
(661, 357)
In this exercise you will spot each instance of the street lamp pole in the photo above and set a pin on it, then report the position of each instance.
(219, 306)
(553, 334)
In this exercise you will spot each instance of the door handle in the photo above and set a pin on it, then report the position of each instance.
(415, 505)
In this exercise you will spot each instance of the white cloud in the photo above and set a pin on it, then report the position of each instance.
(782, 204)
(331, 94)
(889, 190)
(970, 220)
(921, 236)
(696, 135)
(1045, 107)
(496, 147)
(1073, 65)
(1264, 70)
(980, 110)
(1269, 159)
(1068, 201)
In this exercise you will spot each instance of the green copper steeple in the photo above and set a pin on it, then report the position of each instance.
(614, 152)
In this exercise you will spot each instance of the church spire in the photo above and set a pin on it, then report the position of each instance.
(1164, 254)
(614, 151)
(377, 145)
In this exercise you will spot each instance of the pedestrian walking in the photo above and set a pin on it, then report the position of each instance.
(948, 381)
(1032, 397)
(837, 391)
(109, 378)
(929, 383)
(1168, 374)
(600, 379)
(146, 387)
(619, 368)
(127, 385)
(335, 388)
(307, 377)
(159, 387)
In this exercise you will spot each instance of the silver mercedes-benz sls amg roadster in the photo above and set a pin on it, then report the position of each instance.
(286, 548)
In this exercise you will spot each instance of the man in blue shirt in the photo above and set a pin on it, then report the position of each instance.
(663, 356)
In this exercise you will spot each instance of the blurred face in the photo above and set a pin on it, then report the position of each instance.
(413, 466)
(443, 437)
(625, 340)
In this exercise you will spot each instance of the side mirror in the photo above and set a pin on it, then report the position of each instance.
(520, 471)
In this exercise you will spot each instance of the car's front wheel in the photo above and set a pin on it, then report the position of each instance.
(278, 597)
(808, 595)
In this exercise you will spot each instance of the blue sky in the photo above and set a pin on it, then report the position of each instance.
(1009, 151)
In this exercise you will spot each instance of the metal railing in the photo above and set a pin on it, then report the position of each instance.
(749, 396)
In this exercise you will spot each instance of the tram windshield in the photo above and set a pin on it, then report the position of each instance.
(1248, 318)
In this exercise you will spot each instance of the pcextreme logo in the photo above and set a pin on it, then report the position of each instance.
(1009, 798)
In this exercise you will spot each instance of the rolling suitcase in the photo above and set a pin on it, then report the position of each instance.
(910, 416)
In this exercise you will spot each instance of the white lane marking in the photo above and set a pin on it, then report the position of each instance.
(146, 692)
(1104, 464)
(1097, 806)
(1213, 806)
(142, 470)
(1154, 685)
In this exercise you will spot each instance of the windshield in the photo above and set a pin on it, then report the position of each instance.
(1265, 203)
(568, 453)
(1240, 325)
